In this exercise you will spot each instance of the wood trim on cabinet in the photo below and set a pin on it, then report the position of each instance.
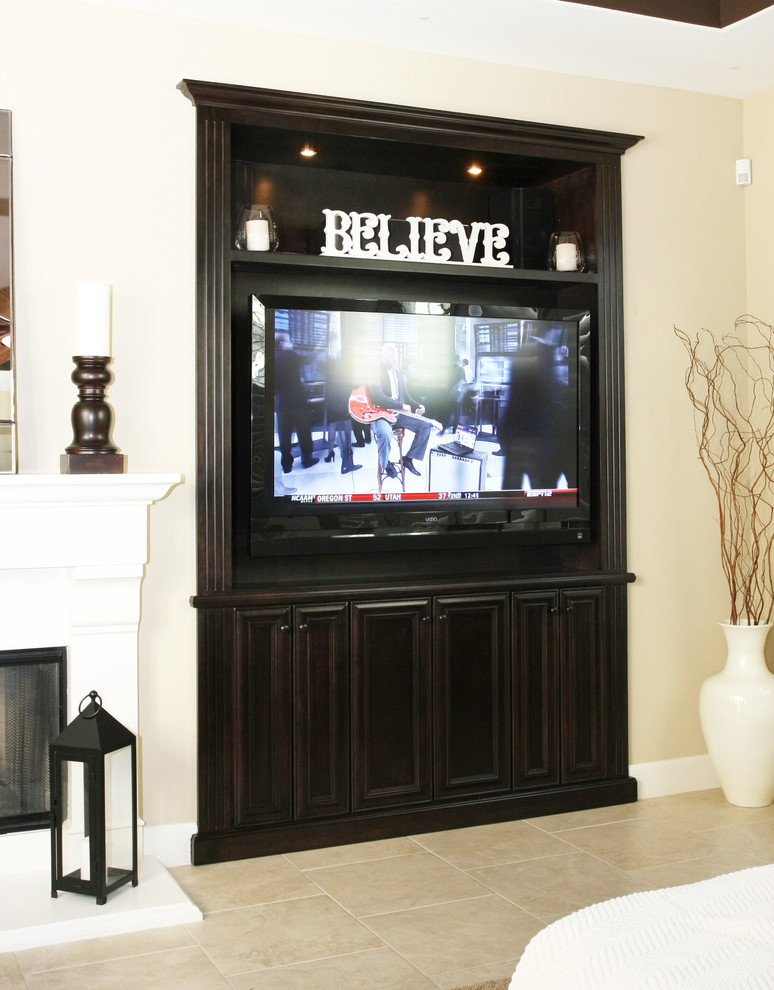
(271, 106)
(213, 353)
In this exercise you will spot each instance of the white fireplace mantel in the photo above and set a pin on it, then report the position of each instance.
(73, 552)
(70, 520)
(58, 489)
(72, 557)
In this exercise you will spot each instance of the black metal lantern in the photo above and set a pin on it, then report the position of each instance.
(93, 768)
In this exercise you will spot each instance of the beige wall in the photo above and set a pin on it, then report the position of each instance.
(759, 201)
(104, 159)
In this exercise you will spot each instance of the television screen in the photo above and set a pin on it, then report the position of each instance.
(409, 417)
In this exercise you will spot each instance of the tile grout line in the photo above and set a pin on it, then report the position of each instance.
(111, 959)
(563, 834)
(386, 944)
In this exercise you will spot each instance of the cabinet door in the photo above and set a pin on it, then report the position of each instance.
(262, 715)
(472, 706)
(321, 710)
(535, 683)
(584, 687)
(391, 704)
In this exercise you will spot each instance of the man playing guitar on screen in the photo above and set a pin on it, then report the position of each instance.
(389, 391)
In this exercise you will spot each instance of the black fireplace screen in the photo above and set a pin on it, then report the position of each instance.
(32, 713)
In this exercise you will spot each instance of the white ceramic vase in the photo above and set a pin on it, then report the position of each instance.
(736, 708)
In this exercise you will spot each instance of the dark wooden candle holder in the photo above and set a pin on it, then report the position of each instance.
(92, 450)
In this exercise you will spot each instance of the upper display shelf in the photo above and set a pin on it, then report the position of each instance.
(248, 261)
(309, 157)
(460, 218)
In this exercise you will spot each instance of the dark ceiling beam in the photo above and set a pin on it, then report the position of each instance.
(709, 13)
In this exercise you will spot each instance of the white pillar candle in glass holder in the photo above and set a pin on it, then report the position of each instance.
(565, 252)
(566, 257)
(257, 235)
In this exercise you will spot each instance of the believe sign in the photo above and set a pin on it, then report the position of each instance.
(367, 235)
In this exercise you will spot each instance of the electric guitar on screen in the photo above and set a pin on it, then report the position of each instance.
(362, 409)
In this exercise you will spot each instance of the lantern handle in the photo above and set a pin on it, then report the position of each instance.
(94, 698)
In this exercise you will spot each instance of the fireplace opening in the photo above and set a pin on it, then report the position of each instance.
(32, 713)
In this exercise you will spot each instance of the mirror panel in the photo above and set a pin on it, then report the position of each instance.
(7, 403)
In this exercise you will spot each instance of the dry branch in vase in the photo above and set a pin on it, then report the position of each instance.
(730, 382)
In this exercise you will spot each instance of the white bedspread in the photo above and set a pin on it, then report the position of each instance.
(713, 935)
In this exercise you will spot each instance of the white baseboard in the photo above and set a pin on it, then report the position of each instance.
(691, 773)
(170, 844)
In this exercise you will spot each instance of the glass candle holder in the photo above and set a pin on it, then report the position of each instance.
(256, 229)
(565, 252)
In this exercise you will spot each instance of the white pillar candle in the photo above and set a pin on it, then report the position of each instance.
(92, 328)
(566, 257)
(257, 232)
(86, 858)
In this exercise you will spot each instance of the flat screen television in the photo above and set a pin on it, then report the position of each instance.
(406, 423)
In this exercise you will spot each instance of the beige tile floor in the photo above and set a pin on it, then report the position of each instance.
(443, 910)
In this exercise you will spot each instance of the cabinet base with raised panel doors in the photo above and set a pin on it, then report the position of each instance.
(349, 720)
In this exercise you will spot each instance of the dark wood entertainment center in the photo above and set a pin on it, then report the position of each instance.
(348, 697)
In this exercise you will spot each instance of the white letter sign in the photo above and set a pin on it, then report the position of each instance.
(367, 235)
